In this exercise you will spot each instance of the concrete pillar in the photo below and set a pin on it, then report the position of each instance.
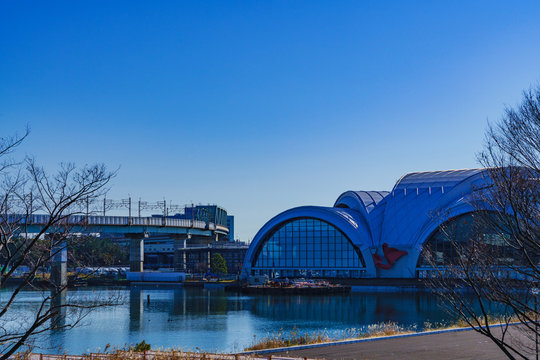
(136, 252)
(58, 284)
(180, 256)
(59, 266)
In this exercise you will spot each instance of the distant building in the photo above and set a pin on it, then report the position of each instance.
(194, 258)
(158, 252)
(208, 213)
(230, 225)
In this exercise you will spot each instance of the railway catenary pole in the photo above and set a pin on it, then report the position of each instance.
(87, 209)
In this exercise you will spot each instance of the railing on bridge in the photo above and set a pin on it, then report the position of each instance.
(198, 217)
(93, 220)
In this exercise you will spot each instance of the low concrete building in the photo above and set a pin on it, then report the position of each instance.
(196, 259)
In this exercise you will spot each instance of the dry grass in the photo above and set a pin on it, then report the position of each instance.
(461, 323)
(134, 355)
(283, 339)
(294, 337)
(384, 329)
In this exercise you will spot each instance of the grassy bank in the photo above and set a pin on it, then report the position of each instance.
(294, 337)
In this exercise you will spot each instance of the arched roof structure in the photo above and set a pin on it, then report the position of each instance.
(348, 221)
(447, 178)
(364, 201)
(402, 218)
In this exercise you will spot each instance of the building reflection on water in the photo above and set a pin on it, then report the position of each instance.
(351, 310)
(180, 304)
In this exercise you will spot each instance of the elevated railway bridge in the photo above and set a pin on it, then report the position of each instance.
(134, 228)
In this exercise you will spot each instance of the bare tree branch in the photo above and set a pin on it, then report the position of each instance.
(27, 189)
(496, 258)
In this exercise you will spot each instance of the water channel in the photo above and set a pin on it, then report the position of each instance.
(215, 320)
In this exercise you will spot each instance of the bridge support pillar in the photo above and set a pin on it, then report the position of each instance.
(58, 283)
(136, 252)
(58, 266)
(180, 255)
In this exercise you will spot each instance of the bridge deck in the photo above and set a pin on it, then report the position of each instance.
(120, 224)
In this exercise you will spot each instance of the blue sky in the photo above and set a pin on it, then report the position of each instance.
(260, 106)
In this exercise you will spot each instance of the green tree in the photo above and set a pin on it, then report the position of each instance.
(218, 264)
(93, 251)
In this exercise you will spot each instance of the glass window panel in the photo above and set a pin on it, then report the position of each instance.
(331, 262)
(289, 262)
(308, 243)
(479, 226)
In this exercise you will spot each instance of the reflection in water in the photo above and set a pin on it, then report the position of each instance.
(58, 309)
(135, 308)
(213, 320)
(350, 310)
(177, 300)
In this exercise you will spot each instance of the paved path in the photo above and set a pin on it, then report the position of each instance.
(451, 345)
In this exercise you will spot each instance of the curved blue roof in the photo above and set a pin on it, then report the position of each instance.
(419, 198)
(435, 178)
(367, 203)
(367, 200)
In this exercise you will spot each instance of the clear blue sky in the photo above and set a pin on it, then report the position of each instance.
(260, 106)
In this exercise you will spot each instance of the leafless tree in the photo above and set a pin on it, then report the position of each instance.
(497, 258)
(61, 200)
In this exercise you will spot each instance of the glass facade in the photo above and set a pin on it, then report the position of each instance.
(461, 230)
(308, 247)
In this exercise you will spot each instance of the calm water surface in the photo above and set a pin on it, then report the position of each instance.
(215, 320)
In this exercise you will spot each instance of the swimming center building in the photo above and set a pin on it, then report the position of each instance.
(368, 234)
